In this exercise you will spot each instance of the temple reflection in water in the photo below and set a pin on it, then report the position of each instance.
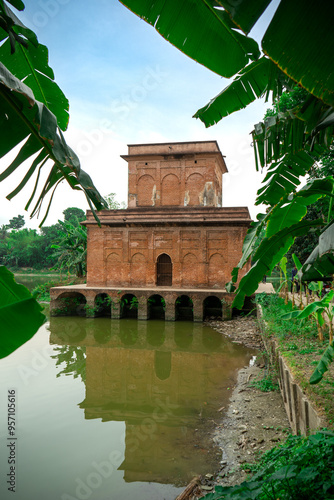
(166, 381)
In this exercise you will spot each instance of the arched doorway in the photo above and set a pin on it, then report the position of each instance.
(164, 270)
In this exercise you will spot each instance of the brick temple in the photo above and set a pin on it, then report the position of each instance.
(174, 240)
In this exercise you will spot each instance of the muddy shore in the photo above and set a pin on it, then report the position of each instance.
(254, 422)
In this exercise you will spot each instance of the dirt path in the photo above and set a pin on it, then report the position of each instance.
(255, 420)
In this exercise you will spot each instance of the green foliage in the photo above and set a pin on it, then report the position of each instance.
(317, 309)
(268, 240)
(297, 96)
(103, 305)
(112, 203)
(253, 81)
(71, 249)
(316, 287)
(16, 222)
(157, 301)
(300, 468)
(200, 31)
(22, 248)
(20, 314)
(42, 292)
(36, 249)
(74, 215)
(322, 366)
(267, 383)
(74, 359)
(274, 309)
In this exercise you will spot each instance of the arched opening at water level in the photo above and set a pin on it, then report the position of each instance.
(71, 304)
(212, 308)
(184, 308)
(102, 305)
(129, 306)
(156, 307)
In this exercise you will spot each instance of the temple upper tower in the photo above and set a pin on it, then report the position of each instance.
(175, 174)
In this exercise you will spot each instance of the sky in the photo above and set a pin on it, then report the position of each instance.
(128, 85)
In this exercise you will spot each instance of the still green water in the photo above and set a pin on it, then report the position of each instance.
(32, 280)
(115, 410)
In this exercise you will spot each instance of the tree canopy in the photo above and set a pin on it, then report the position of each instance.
(16, 222)
(74, 214)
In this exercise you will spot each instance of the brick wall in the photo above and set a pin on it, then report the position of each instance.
(201, 256)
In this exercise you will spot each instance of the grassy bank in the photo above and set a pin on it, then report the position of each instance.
(42, 292)
(301, 349)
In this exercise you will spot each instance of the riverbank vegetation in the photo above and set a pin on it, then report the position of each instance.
(299, 468)
(299, 344)
(59, 248)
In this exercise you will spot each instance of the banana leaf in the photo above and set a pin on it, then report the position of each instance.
(326, 359)
(22, 117)
(269, 253)
(245, 13)
(320, 264)
(20, 314)
(306, 60)
(255, 80)
(200, 31)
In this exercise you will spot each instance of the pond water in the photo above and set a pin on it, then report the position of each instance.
(115, 409)
(32, 280)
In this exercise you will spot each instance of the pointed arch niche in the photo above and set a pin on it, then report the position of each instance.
(113, 269)
(170, 190)
(164, 270)
(216, 276)
(138, 269)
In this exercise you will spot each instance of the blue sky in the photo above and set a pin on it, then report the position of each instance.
(127, 85)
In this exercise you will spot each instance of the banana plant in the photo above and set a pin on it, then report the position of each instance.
(317, 309)
(313, 311)
(33, 109)
(71, 250)
(298, 265)
(284, 283)
(269, 239)
(326, 359)
(316, 288)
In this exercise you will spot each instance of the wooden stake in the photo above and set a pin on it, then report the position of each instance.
(190, 489)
